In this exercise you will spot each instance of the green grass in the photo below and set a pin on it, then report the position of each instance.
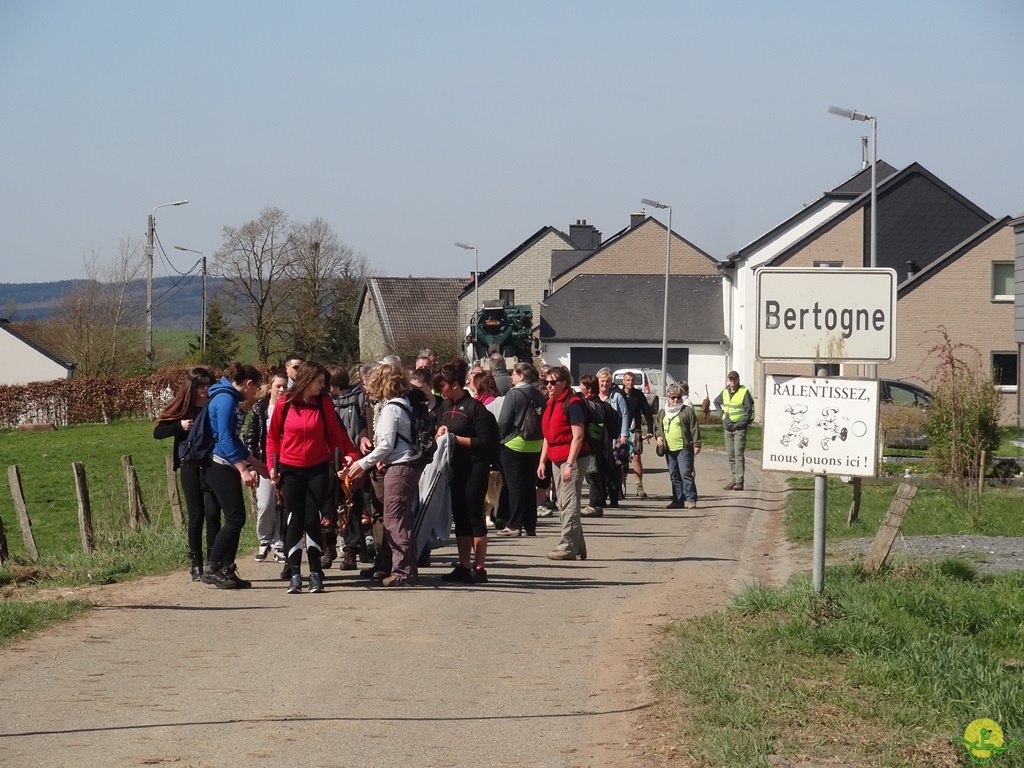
(932, 511)
(170, 347)
(712, 435)
(883, 671)
(20, 619)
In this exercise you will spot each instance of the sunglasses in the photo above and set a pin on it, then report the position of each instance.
(551, 382)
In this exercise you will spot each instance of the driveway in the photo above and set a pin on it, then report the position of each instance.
(543, 666)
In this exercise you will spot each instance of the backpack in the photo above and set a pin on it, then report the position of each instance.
(595, 431)
(422, 437)
(196, 449)
(530, 428)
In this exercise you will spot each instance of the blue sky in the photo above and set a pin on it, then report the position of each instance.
(411, 125)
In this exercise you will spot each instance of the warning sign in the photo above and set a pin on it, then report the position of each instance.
(821, 426)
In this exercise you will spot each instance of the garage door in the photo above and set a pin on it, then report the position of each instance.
(592, 359)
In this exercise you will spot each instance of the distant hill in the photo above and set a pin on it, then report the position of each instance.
(176, 305)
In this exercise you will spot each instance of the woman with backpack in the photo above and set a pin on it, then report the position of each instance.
(519, 427)
(303, 435)
(476, 443)
(200, 504)
(231, 466)
(394, 453)
(268, 517)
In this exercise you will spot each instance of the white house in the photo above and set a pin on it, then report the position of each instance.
(26, 359)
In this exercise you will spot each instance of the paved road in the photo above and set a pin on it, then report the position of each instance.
(544, 666)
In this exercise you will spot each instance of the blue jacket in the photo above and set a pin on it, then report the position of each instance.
(223, 414)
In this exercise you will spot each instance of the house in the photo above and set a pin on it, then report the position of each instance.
(26, 357)
(401, 315)
(617, 320)
(523, 276)
(924, 228)
(1018, 304)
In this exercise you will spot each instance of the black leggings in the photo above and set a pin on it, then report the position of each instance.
(226, 485)
(469, 488)
(201, 506)
(304, 490)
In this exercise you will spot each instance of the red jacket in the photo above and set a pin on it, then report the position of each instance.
(557, 427)
(297, 435)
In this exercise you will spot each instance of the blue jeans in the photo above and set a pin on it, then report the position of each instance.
(680, 472)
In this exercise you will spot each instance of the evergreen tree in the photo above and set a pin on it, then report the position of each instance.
(222, 343)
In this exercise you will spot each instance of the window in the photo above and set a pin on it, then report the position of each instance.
(1002, 281)
(826, 369)
(507, 296)
(1004, 369)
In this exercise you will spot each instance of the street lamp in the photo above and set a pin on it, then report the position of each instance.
(853, 114)
(476, 272)
(202, 332)
(664, 318)
(150, 236)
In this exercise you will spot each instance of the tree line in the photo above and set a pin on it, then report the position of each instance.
(291, 285)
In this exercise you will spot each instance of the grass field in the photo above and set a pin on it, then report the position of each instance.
(170, 347)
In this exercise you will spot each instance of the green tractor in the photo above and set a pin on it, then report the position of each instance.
(500, 328)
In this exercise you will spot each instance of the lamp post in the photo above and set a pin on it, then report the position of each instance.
(853, 114)
(202, 326)
(476, 271)
(150, 236)
(664, 318)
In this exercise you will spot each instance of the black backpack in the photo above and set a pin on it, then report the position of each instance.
(595, 431)
(196, 449)
(531, 426)
(422, 437)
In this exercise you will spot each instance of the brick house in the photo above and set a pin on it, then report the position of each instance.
(946, 251)
(401, 315)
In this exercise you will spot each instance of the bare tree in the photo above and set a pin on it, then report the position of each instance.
(256, 262)
(97, 325)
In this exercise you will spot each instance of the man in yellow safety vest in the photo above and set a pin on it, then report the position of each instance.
(737, 407)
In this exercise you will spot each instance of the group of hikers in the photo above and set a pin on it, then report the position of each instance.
(378, 463)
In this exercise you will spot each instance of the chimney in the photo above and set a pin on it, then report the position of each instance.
(583, 236)
(636, 219)
(911, 269)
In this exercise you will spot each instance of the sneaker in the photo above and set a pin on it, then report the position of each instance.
(674, 505)
(460, 574)
(479, 574)
(232, 573)
(423, 561)
(279, 556)
(737, 486)
(196, 573)
(510, 532)
(348, 561)
(691, 505)
(397, 581)
(640, 491)
(262, 552)
(561, 554)
(592, 512)
(295, 585)
(543, 511)
(316, 582)
(217, 577)
(728, 486)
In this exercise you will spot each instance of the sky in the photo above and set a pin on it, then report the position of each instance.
(408, 126)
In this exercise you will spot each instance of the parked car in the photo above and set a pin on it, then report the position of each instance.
(903, 413)
(648, 381)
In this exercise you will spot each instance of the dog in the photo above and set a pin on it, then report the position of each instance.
(494, 484)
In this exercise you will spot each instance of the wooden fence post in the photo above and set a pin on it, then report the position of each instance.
(889, 528)
(3, 543)
(136, 507)
(84, 507)
(172, 493)
(851, 518)
(14, 480)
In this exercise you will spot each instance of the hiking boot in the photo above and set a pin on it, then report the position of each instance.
(460, 574)
(316, 582)
(561, 554)
(286, 572)
(423, 561)
(348, 561)
(262, 552)
(674, 505)
(295, 585)
(592, 512)
(691, 505)
(479, 574)
(737, 486)
(196, 572)
(327, 558)
(729, 486)
(640, 491)
(231, 571)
